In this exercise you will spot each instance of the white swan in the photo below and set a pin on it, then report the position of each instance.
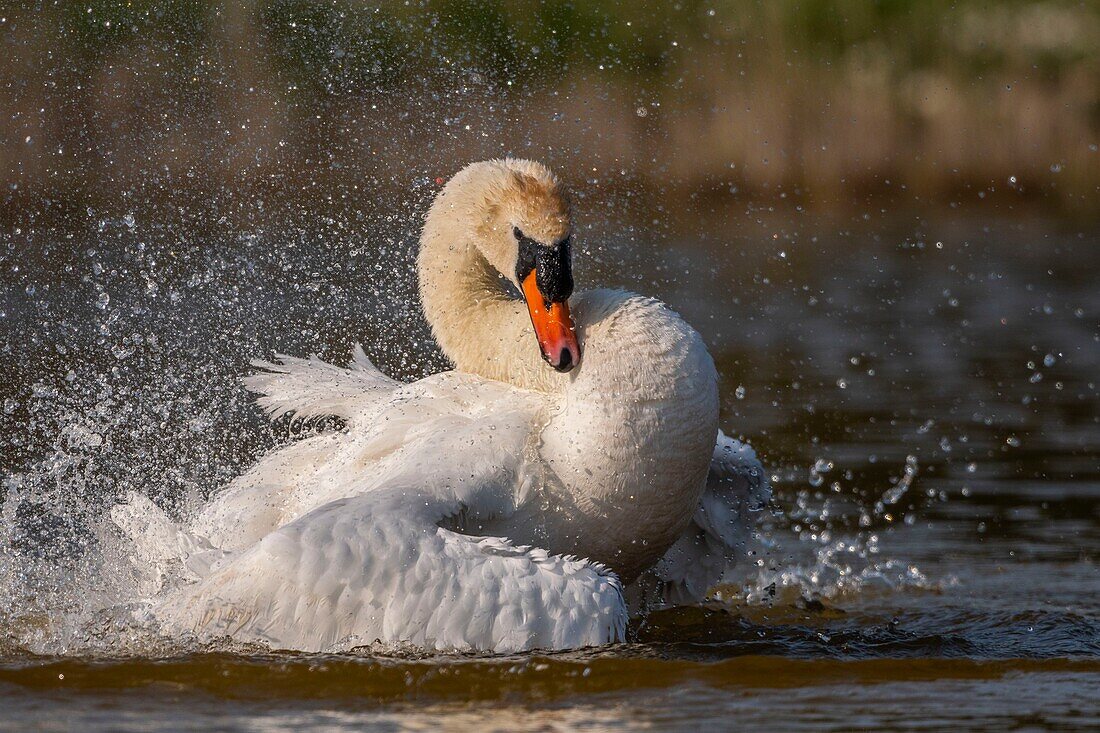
(453, 512)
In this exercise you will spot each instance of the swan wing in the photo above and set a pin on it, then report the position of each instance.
(311, 388)
(379, 567)
(737, 488)
(444, 430)
(371, 534)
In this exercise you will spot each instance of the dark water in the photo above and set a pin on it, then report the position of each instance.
(924, 392)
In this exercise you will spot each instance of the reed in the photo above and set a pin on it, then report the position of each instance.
(826, 103)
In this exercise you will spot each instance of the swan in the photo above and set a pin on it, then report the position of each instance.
(502, 506)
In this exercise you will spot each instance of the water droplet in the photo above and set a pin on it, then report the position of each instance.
(122, 351)
(893, 495)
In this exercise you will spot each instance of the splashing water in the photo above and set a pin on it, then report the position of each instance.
(126, 379)
(816, 551)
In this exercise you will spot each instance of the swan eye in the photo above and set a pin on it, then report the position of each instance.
(518, 234)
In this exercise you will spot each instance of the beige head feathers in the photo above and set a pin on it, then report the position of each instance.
(486, 201)
(498, 218)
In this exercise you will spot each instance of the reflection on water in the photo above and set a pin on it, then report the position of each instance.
(554, 693)
(925, 394)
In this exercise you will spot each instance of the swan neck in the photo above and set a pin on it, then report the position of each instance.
(479, 327)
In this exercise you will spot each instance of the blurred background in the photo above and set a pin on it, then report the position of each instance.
(823, 104)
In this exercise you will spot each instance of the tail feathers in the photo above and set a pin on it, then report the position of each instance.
(311, 388)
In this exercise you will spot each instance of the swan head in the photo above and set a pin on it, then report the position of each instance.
(519, 219)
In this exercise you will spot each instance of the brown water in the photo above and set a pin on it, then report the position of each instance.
(925, 394)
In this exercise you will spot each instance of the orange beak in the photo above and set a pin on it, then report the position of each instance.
(553, 327)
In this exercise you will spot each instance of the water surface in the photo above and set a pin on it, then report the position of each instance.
(923, 392)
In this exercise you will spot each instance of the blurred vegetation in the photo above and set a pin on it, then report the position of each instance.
(826, 102)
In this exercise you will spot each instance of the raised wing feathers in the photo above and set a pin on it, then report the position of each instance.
(311, 388)
(737, 488)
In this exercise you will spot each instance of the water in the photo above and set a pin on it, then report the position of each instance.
(923, 391)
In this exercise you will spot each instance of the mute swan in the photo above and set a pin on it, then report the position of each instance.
(500, 506)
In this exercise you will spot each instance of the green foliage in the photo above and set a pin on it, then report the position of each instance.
(348, 45)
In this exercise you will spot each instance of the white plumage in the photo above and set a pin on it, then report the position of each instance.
(498, 507)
